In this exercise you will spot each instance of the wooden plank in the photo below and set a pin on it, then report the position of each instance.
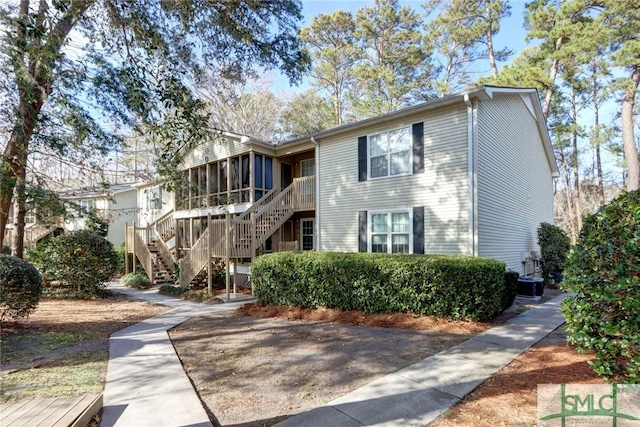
(30, 405)
(71, 416)
(74, 411)
(7, 409)
(92, 409)
(48, 409)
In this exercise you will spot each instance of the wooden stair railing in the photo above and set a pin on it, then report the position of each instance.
(210, 245)
(141, 250)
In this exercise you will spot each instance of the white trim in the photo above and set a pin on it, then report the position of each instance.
(389, 175)
(388, 212)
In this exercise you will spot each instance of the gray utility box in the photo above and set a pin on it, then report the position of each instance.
(530, 286)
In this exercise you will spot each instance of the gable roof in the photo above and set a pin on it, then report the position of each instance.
(529, 95)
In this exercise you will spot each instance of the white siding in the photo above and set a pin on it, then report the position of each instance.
(217, 148)
(146, 215)
(120, 211)
(514, 182)
(442, 189)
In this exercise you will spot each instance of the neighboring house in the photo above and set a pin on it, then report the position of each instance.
(116, 203)
(468, 174)
(153, 201)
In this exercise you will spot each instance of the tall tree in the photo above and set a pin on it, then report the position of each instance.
(131, 61)
(396, 66)
(334, 50)
(622, 19)
(463, 32)
(305, 114)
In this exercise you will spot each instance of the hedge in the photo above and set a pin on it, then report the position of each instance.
(458, 287)
(603, 272)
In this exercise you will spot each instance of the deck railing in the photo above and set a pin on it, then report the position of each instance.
(288, 246)
(141, 250)
(305, 191)
(164, 226)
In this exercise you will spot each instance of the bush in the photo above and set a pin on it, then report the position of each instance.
(120, 253)
(457, 287)
(510, 288)
(6, 250)
(138, 280)
(172, 291)
(20, 287)
(604, 272)
(554, 246)
(79, 259)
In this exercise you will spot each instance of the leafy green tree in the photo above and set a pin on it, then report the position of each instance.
(396, 66)
(305, 114)
(335, 51)
(463, 33)
(622, 19)
(90, 66)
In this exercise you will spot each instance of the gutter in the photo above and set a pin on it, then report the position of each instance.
(471, 174)
(317, 155)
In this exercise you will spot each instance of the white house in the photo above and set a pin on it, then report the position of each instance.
(470, 174)
(116, 203)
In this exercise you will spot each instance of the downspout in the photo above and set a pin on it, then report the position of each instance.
(317, 154)
(470, 175)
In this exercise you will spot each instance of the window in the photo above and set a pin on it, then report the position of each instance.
(87, 204)
(307, 234)
(390, 153)
(308, 167)
(154, 198)
(390, 232)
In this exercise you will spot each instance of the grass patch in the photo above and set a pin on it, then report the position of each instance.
(68, 376)
(26, 344)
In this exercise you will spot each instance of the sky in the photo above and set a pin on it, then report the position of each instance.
(511, 34)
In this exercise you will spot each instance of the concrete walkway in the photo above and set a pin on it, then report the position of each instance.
(418, 394)
(146, 384)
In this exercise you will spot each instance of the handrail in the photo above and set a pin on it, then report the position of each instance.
(142, 252)
(266, 199)
(288, 246)
(164, 226)
(305, 193)
(196, 259)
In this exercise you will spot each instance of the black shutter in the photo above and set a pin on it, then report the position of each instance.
(362, 231)
(418, 147)
(362, 158)
(418, 230)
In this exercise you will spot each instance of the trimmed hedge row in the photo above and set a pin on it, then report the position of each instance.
(453, 286)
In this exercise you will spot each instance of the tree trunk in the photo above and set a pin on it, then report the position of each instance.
(596, 124)
(553, 72)
(628, 137)
(19, 224)
(575, 159)
(490, 50)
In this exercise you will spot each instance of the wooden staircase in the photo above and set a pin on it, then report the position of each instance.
(240, 237)
(223, 239)
(149, 246)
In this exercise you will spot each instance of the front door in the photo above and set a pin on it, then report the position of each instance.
(286, 175)
(307, 234)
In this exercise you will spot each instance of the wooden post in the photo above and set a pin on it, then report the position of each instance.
(209, 246)
(235, 275)
(133, 246)
(227, 252)
(126, 248)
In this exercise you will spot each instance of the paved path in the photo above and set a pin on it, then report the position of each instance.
(146, 384)
(418, 394)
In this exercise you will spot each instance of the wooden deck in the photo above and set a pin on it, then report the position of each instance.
(74, 411)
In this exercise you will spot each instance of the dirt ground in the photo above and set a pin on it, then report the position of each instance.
(509, 398)
(60, 328)
(266, 363)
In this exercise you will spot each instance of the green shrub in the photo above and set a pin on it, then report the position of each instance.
(604, 272)
(121, 255)
(79, 259)
(20, 287)
(172, 291)
(510, 288)
(554, 246)
(456, 287)
(39, 258)
(6, 250)
(138, 280)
